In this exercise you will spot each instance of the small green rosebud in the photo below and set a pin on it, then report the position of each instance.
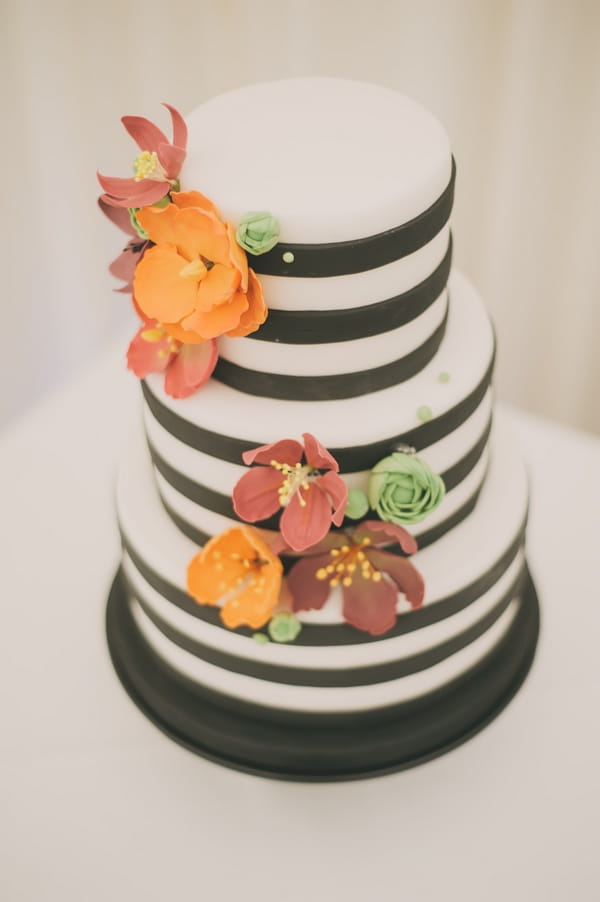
(358, 504)
(257, 232)
(284, 627)
(403, 489)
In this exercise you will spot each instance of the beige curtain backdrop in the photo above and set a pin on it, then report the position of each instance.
(517, 85)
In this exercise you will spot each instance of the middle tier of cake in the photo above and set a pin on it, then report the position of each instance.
(444, 412)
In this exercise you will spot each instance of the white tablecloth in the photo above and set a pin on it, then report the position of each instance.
(96, 804)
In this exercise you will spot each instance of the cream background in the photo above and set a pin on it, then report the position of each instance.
(516, 84)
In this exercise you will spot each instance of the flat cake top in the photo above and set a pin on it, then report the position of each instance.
(333, 160)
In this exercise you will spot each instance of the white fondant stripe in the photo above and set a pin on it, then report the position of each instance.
(358, 289)
(320, 699)
(338, 357)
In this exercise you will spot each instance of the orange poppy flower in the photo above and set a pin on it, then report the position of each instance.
(239, 569)
(195, 281)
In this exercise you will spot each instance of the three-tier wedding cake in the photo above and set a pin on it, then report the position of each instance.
(323, 518)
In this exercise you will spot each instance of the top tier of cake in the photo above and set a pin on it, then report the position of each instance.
(334, 160)
(361, 180)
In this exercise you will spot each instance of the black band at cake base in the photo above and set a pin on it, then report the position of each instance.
(332, 749)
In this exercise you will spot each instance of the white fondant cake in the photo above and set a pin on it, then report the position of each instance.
(369, 343)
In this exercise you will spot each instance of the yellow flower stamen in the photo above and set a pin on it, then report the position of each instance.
(350, 561)
(147, 166)
(153, 335)
(195, 270)
(296, 477)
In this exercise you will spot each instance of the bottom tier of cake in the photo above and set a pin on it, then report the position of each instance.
(245, 740)
(337, 703)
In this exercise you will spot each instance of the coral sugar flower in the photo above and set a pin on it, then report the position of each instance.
(238, 570)
(156, 167)
(311, 499)
(369, 577)
(187, 367)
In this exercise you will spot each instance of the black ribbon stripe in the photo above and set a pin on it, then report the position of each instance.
(353, 323)
(346, 257)
(222, 504)
(339, 634)
(346, 677)
(351, 459)
(330, 388)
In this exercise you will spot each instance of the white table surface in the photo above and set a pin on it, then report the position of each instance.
(96, 804)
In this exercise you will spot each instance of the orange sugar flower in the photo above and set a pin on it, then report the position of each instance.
(195, 281)
(239, 570)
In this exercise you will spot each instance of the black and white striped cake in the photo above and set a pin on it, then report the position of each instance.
(371, 340)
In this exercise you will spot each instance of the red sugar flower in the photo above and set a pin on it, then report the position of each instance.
(312, 500)
(156, 167)
(187, 367)
(369, 577)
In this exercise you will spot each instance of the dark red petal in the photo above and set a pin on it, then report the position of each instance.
(143, 356)
(334, 486)
(191, 369)
(370, 606)
(287, 451)
(403, 572)
(308, 592)
(171, 159)
(255, 495)
(146, 135)
(304, 525)
(398, 534)
(118, 216)
(180, 132)
(318, 456)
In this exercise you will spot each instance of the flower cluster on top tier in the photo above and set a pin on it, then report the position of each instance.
(186, 268)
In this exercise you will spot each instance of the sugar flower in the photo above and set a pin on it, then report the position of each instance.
(187, 367)
(124, 266)
(195, 280)
(156, 167)
(404, 489)
(369, 577)
(301, 479)
(238, 570)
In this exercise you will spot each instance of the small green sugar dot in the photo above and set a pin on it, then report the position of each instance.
(444, 377)
(260, 638)
(288, 257)
(357, 505)
(424, 413)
